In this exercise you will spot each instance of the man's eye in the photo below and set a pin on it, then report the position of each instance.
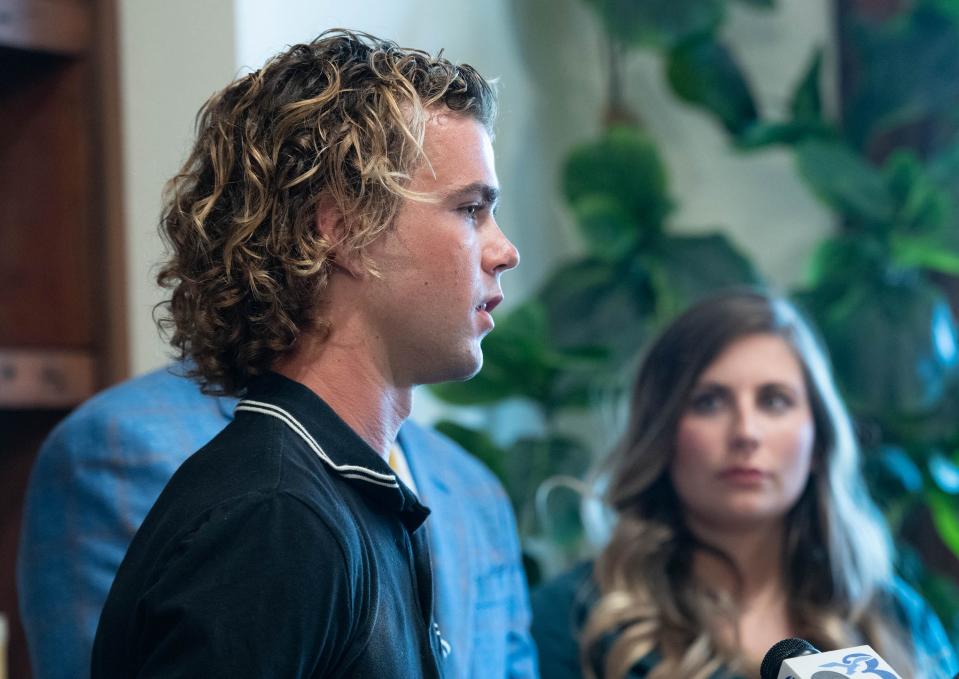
(474, 211)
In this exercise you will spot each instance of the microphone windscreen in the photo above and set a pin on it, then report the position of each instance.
(782, 651)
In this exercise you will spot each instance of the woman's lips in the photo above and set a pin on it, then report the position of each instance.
(743, 475)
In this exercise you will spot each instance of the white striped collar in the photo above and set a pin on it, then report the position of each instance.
(349, 471)
(329, 439)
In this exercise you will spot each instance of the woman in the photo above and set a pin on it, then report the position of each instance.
(742, 518)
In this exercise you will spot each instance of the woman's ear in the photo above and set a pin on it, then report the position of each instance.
(331, 225)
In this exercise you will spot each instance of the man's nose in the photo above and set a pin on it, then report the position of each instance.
(503, 255)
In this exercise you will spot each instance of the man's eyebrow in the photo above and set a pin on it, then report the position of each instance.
(489, 193)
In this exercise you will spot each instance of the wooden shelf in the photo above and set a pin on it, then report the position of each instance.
(58, 26)
(62, 330)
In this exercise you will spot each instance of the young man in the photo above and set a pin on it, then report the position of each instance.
(333, 245)
(102, 468)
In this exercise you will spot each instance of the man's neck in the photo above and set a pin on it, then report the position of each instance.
(347, 378)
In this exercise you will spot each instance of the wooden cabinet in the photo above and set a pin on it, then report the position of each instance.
(62, 306)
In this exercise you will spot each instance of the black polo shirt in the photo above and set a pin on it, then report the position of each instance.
(285, 547)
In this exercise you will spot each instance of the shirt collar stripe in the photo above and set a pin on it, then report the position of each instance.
(365, 478)
(346, 470)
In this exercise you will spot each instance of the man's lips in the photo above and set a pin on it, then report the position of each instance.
(490, 304)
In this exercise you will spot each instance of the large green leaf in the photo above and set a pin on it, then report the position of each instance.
(845, 181)
(933, 431)
(924, 231)
(703, 72)
(806, 104)
(593, 302)
(844, 261)
(686, 268)
(905, 80)
(763, 4)
(621, 167)
(658, 23)
(945, 515)
(894, 346)
(806, 110)
(607, 226)
(922, 207)
(943, 166)
(937, 252)
(948, 7)
(943, 169)
(763, 134)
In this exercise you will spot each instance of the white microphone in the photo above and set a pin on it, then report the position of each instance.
(798, 659)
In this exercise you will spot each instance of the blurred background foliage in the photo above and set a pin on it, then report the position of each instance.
(882, 290)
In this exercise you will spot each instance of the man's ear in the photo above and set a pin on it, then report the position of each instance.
(331, 225)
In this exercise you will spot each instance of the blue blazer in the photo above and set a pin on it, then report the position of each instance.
(102, 468)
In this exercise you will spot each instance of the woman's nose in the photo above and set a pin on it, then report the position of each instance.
(745, 433)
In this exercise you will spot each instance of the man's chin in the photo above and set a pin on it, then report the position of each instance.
(468, 370)
(460, 371)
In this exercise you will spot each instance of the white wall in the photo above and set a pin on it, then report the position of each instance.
(173, 55)
(548, 58)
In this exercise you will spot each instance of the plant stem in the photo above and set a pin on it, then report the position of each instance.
(617, 111)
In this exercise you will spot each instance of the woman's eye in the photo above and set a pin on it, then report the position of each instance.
(775, 400)
(706, 402)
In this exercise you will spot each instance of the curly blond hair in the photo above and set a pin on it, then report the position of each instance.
(340, 119)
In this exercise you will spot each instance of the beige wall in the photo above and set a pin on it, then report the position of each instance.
(173, 55)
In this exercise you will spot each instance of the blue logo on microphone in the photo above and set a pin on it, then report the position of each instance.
(861, 664)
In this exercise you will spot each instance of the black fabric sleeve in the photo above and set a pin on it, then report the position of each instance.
(262, 588)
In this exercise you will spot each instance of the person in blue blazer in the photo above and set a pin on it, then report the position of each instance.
(102, 468)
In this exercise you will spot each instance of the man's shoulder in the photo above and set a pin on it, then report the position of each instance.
(447, 459)
(161, 409)
(154, 393)
(262, 460)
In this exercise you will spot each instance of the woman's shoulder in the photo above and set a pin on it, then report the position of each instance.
(560, 606)
(567, 588)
